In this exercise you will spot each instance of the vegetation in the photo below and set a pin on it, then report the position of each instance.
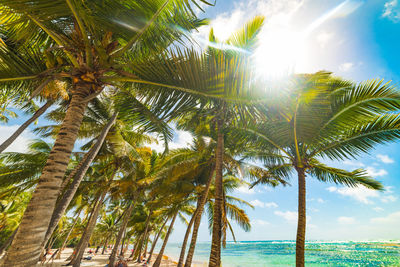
(121, 86)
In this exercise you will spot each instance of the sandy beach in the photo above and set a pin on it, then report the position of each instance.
(100, 260)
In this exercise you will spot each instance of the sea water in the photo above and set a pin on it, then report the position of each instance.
(282, 253)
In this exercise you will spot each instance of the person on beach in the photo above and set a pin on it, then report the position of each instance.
(121, 262)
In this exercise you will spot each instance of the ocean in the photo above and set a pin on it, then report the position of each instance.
(282, 253)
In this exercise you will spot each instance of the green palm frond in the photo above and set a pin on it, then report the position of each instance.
(338, 176)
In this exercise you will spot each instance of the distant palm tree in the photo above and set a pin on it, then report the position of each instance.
(321, 117)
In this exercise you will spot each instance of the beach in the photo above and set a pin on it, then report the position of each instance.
(100, 260)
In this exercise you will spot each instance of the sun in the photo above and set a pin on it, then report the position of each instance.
(280, 52)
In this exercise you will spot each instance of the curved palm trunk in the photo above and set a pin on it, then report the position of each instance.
(105, 245)
(186, 237)
(21, 128)
(66, 238)
(26, 246)
(76, 261)
(121, 251)
(160, 254)
(78, 175)
(155, 241)
(301, 222)
(215, 255)
(88, 217)
(144, 236)
(146, 243)
(121, 231)
(135, 247)
(197, 221)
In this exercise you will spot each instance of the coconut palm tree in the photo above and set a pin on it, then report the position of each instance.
(224, 70)
(91, 45)
(322, 117)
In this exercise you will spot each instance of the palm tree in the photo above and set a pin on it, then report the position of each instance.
(50, 93)
(223, 83)
(91, 45)
(322, 117)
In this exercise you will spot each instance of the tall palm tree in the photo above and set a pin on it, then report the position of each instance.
(322, 117)
(92, 45)
(223, 82)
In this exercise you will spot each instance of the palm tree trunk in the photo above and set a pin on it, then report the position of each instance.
(127, 241)
(215, 255)
(197, 221)
(160, 254)
(135, 247)
(121, 231)
(155, 241)
(78, 173)
(88, 217)
(26, 246)
(186, 237)
(301, 222)
(76, 262)
(8, 242)
(21, 128)
(105, 245)
(146, 242)
(66, 238)
(144, 236)
(123, 243)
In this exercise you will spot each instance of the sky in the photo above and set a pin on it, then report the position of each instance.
(357, 40)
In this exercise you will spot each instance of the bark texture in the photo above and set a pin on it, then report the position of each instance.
(26, 246)
(215, 255)
(66, 238)
(161, 253)
(77, 176)
(76, 261)
(121, 231)
(197, 221)
(143, 239)
(155, 241)
(21, 128)
(301, 222)
(186, 237)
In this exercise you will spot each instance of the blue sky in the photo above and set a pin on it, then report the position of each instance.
(357, 40)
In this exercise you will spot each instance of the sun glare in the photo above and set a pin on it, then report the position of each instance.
(279, 52)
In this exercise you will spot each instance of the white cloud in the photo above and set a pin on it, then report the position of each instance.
(244, 189)
(388, 198)
(378, 209)
(354, 163)
(375, 172)
(312, 209)
(391, 10)
(363, 194)
(320, 200)
(261, 222)
(258, 203)
(392, 218)
(347, 66)
(21, 143)
(359, 193)
(181, 139)
(346, 220)
(277, 12)
(385, 158)
(290, 216)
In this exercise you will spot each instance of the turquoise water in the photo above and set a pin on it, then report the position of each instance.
(282, 253)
